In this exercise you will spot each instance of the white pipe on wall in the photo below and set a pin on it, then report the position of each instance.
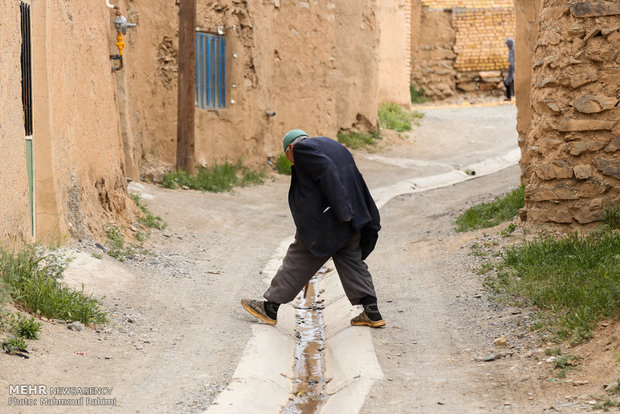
(107, 2)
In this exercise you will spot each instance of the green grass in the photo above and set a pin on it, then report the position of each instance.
(611, 217)
(392, 116)
(118, 248)
(148, 220)
(33, 277)
(417, 95)
(217, 178)
(356, 140)
(283, 165)
(493, 213)
(574, 281)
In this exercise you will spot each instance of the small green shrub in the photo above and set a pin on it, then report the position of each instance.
(216, 178)
(283, 165)
(356, 140)
(417, 95)
(115, 242)
(491, 214)
(27, 328)
(611, 217)
(14, 345)
(148, 220)
(392, 116)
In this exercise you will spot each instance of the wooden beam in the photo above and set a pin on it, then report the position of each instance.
(186, 157)
(595, 8)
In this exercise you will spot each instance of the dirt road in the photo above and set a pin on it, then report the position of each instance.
(178, 336)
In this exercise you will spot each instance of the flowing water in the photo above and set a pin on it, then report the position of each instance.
(310, 391)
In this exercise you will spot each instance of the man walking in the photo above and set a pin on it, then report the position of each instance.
(335, 217)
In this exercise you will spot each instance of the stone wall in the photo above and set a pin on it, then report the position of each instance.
(432, 51)
(459, 45)
(15, 217)
(573, 148)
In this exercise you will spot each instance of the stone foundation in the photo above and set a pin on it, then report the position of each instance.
(571, 152)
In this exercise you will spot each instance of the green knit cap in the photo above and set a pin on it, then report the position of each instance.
(291, 136)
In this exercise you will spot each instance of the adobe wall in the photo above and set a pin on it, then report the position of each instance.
(15, 217)
(312, 63)
(527, 15)
(80, 179)
(573, 149)
(289, 61)
(148, 83)
(394, 17)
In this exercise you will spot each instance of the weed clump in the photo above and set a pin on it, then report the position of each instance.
(216, 178)
(392, 116)
(417, 95)
(148, 220)
(357, 140)
(491, 214)
(573, 280)
(33, 279)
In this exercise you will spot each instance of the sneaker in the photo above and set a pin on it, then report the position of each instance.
(257, 309)
(363, 320)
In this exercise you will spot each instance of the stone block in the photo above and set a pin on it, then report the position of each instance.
(557, 214)
(576, 31)
(579, 147)
(553, 170)
(584, 215)
(583, 78)
(545, 81)
(582, 172)
(595, 8)
(606, 31)
(547, 106)
(467, 86)
(572, 125)
(596, 203)
(555, 193)
(591, 104)
(614, 145)
(608, 167)
(590, 189)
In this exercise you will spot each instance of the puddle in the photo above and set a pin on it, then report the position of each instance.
(309, 382)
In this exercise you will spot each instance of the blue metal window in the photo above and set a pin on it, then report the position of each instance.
(210, 71)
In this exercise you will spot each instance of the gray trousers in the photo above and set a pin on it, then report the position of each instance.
(299, 265)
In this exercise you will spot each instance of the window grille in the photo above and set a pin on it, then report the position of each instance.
(26, 64)
(210, 71)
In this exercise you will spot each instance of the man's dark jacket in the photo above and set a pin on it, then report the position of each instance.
(329, 199)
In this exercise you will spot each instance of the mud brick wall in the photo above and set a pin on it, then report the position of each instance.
(573, 148)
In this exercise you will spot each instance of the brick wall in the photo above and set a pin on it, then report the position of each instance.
(480, 38)
(467, 4)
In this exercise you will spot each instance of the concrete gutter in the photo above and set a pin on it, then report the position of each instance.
(262, 379)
